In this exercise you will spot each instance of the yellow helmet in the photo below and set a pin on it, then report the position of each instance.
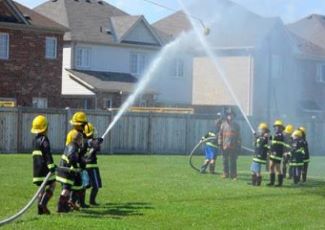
(263, 125)
(289, 129)
(297, 133)
(278, 123)
(39, 124)
(72, 136)
(89, 130)
(302, 129)
(79, 118)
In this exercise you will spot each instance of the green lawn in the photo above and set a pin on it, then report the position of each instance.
(163, 192)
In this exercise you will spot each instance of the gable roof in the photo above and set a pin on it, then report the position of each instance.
(307, 49)
(90, 20)
(311, 28)
(247, 30)
(28, 18)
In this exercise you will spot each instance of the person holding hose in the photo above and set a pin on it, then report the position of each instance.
(68, 168)
(91, 162)
(210, 150)
(286, 156)
(278, 147)
(79, 121)
(42, 162)
(306, 156)
(229, 141)
(260, 154)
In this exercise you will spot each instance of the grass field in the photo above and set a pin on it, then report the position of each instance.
(163, 192)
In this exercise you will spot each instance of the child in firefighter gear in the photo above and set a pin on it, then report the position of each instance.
(286, 156)
(278, 146)
(307, 156)
(91, 162)
(79, 121)
(297, 155)
(69, 168)
(211, 151)
(42, 162)
(230, 144)
(261, 151)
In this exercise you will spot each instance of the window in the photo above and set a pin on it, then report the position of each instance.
(277, 67)
(83, 57)
(321, 73)
(177, 68)
(4, 46)
(138, 62)
(108, 103)
(40, 102)
(50, 47)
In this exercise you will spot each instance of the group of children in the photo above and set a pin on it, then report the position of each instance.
(77, 169)
(287, 146)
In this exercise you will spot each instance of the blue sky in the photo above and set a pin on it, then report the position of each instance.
(288, 10)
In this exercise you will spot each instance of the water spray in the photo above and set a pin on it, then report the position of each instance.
(206, 30)
(147, 77)
(215, 61)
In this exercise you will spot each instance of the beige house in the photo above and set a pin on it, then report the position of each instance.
(252, 55)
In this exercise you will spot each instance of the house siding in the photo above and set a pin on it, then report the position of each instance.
(209, 88)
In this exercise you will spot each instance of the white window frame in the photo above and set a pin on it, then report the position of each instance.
(140, 65)
(6, 57)
(82, 63)
(49, 53)
(320, 76)
(40, 102)
(178, 68)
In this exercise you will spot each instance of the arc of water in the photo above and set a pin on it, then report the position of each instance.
(215, 61)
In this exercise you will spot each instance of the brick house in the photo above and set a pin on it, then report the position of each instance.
(31, 48)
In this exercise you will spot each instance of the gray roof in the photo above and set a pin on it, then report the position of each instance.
(25, 17)
(307, 48)
(108, 82)
(311, 28)
(90, 20)
(246, 29)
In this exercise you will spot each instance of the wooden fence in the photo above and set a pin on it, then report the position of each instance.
(150, 133)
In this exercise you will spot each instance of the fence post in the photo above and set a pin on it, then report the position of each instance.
(110, 135)
(149, 134)
(187, 133)
(19, 129)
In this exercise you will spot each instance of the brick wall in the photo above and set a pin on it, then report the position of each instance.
(28, 73)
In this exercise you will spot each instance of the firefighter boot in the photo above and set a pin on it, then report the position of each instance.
(212, 168)
(280, 181)
(272, 179)
(39, 206)
(92, 198)
(254, 181)
(45, 199)
(258, 181)
(63, 205)
(82, 197)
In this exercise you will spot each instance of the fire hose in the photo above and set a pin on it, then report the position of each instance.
(23, 210)
(199, 145)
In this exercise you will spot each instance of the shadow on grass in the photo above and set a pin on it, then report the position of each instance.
(117, 210)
